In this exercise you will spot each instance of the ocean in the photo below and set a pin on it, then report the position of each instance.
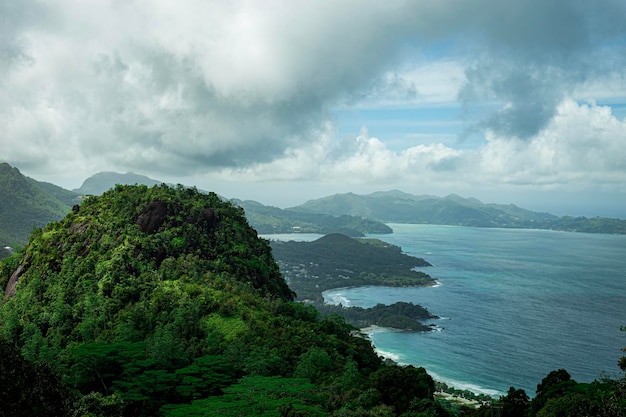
(514, 304)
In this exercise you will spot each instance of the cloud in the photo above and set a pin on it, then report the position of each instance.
(581, 147)
(536, 54)
(359, 160)
(247, 89)
(188, 87)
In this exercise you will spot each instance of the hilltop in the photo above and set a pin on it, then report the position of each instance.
(26, 204)
(164, 302)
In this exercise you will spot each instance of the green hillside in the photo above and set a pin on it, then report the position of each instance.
(26, 204)
(399, 207)
(267, 219)
(163, 302)
(336, 261)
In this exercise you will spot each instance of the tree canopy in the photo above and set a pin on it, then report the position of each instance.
(163, 301)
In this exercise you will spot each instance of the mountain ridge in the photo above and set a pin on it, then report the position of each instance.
(105, 180)
(26, 204)
(349, 213)
(398, 207)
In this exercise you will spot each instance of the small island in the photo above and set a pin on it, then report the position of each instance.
(338, 261)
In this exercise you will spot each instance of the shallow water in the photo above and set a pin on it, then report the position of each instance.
(515, 305)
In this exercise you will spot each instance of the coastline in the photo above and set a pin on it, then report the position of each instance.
(435, 283)
(454, 395)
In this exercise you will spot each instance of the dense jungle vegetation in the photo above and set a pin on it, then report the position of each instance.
(164, 302)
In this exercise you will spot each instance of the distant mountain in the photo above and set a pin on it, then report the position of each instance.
(398, 207)
(267, 219)
(98, 183)
(26, 204)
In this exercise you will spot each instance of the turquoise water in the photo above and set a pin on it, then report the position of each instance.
(514, 305)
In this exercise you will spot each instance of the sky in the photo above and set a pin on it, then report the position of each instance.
(284, 101)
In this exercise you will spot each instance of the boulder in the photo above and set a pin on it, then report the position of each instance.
(153, 217)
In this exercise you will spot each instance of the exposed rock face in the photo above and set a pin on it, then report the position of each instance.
(208, 217)
(153, 217)
(12, 285)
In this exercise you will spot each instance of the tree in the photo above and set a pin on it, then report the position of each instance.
(256, 396)
(29, 389)
(400, 385)
(515, 403)
(554, 385)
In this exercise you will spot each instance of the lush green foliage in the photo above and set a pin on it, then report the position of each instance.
(29, 389)
(178, 314)
(400, 315)
(559, 395)
(164, 302)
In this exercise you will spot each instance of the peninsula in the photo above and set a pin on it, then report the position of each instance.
(338, 261)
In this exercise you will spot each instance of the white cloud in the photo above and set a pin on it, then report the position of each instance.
(245, 89)
(583, 145)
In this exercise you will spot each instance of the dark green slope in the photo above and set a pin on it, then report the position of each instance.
(339, 252)
(26, 204)
(164, 302)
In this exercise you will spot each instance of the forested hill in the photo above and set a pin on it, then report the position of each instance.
(26, 204)
(267, 220)
(164, 302)
(399, 207)
(336, 261)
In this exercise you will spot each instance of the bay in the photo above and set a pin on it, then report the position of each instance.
(514, 305)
